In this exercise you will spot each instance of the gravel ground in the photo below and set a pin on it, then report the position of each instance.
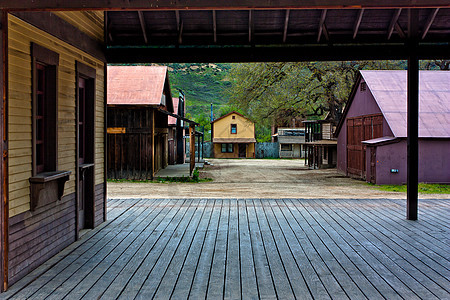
(259, 178)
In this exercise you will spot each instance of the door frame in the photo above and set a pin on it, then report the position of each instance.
(89, 75)
(243, 145)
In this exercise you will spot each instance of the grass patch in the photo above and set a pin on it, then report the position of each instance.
(424, 188)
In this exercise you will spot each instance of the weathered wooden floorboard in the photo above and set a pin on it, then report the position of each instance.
(334, 265)
(368, 252)
(281, 280)
(418, 250)
(200, 281)
(253, 249)
(354, 253)
(134, 285)
(298, 223)
(185, 230)
(263, 274)
(170, 278)
(403, 254)
(184, 282)
(386, 255)
(79, 272)
(249, 288)
(47, 283)
(294, 273)
(323, 232)
(315, 286)
(233, 263)
(394, 217)
(125, 275)
(216, 282)
(94, 284)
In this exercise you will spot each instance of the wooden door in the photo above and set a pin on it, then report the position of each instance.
(242, 150)
(81, 150)
(373, 165)
(361, 129)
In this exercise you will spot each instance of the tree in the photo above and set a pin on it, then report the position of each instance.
(269, 91)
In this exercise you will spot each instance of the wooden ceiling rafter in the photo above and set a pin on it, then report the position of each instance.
(143, 26)
(214, 26)
(286, 24)
(321, 24)
(358, 22)
(429, 22)
(393, 22)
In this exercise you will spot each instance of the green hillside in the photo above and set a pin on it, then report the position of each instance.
(202, 84)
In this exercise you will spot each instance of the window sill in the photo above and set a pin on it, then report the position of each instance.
(47, 187)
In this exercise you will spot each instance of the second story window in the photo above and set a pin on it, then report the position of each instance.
(233, 128)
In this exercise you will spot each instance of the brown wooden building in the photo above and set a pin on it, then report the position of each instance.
(54, 123)
(320, 143)
(138, 130)
(177, 144)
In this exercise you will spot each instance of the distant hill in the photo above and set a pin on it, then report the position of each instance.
(202, 84)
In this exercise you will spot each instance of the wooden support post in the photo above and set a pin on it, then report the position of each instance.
(413, 119)
(153, 142)
(191, 148)
(198, 148)
(4, 213)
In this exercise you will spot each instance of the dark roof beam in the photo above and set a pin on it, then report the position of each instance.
(321, 24)
(429, 22)
(393, 22)
(399, 30)
(143, 26)
(250, 26)
(179, 27)
(286, 23)
(358, 22)
(214, 26)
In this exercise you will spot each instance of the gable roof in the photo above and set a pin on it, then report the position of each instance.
(233, 112)
(137, 85)
(389, 89)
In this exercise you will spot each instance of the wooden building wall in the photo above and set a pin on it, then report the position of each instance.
(245, 128)
(138, 145)
(36, 236)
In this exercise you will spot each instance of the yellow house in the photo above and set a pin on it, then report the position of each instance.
(233, 136)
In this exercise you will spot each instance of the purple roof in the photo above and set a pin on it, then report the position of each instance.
(389, 90)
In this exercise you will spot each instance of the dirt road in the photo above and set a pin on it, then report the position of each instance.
(258, 178)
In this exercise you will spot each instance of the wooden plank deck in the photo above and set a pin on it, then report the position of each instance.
(253, 249)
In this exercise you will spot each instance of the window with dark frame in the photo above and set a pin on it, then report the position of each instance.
(286, 147)
(45, 109)
(227, 148)
(40, 117)
(234, 128)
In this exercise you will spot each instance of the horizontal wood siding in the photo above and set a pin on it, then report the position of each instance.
(130, 153)
(99, 204)
(20, 37)
(35, 237)
(90, 22)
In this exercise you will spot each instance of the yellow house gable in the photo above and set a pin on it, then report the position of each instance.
(222, 128)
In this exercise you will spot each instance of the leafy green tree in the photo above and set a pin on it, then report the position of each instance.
(270, 91)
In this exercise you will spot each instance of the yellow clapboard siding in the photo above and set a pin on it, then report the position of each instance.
(22, 208)
(20, 153)
(21, 185)
(86, 21)
(20, 36)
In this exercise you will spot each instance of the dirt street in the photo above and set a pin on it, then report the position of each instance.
(259, 178)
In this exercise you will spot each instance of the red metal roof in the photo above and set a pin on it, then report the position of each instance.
(389, 88)
(173, 120)
(136, 85)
